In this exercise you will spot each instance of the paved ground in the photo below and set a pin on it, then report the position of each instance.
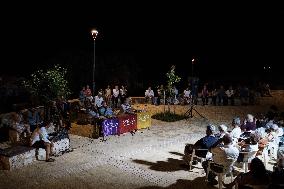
(152, 159)
(149, 159)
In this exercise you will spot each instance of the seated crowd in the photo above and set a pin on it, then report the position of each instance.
(244, 143)
(33, 127)
(219, 95)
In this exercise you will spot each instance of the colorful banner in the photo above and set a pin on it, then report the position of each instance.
(110, 127)
(127, 123)
(143, 120)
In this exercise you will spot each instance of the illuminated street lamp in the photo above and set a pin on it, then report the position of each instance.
(192, 62)
(94, 33)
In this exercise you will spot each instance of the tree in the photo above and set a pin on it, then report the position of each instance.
(172, 80)
(47, 86)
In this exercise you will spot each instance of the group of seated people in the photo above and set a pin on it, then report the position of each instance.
(100, 110)
(247, 138)
(34, 128)
(113, 97)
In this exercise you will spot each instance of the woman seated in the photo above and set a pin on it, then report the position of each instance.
(257, 175)
(126, 107)
(20, 124)
(250, 146)
(222, 131)
(41, 139)
(105, 111)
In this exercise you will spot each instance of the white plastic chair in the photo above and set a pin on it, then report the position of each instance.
(221, 175)
(192, 156)
(273, 148)
(248, 156)
(265, 156)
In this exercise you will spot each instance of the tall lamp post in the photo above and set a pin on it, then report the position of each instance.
(94, 34)
(192, 62)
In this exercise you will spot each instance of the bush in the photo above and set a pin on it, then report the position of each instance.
(48, 85)
(168, 116)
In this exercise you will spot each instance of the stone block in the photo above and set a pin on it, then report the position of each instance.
(16, 157)
(40, 154)
(61, 146)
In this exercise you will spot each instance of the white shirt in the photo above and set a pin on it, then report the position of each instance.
(279, 132)
(115, 93)
(236, 133)
(98, 101)
(40, 134)
(230, 93)
(149, 93)
(225, 155)
(186, 93)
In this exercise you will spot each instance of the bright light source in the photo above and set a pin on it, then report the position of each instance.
(94, 33)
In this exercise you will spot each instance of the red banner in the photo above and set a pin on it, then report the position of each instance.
(127, 123)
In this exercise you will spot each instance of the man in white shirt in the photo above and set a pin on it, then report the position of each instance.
(187, 95)
(149, 94)
(40, 139)
(223, 153)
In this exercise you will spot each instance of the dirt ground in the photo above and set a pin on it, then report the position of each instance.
(150, 159)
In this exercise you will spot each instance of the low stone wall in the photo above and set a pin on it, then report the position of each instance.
(59, 147)
(19, 156)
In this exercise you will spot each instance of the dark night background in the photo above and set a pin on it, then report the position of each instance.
(137, 43)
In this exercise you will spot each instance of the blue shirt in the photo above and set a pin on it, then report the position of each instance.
(33, 118)
(205, 143)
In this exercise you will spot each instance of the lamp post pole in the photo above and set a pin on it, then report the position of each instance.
(192, 62)
(94, 34)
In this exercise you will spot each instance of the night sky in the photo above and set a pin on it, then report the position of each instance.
(225, 40)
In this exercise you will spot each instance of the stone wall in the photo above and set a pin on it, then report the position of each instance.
(19, 156)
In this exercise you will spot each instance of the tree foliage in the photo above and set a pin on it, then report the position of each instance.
(48, 85)
(172, 80)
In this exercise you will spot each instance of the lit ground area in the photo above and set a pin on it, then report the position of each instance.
(148, 160)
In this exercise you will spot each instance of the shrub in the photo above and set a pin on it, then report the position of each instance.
(168, 116)
(48, 85)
